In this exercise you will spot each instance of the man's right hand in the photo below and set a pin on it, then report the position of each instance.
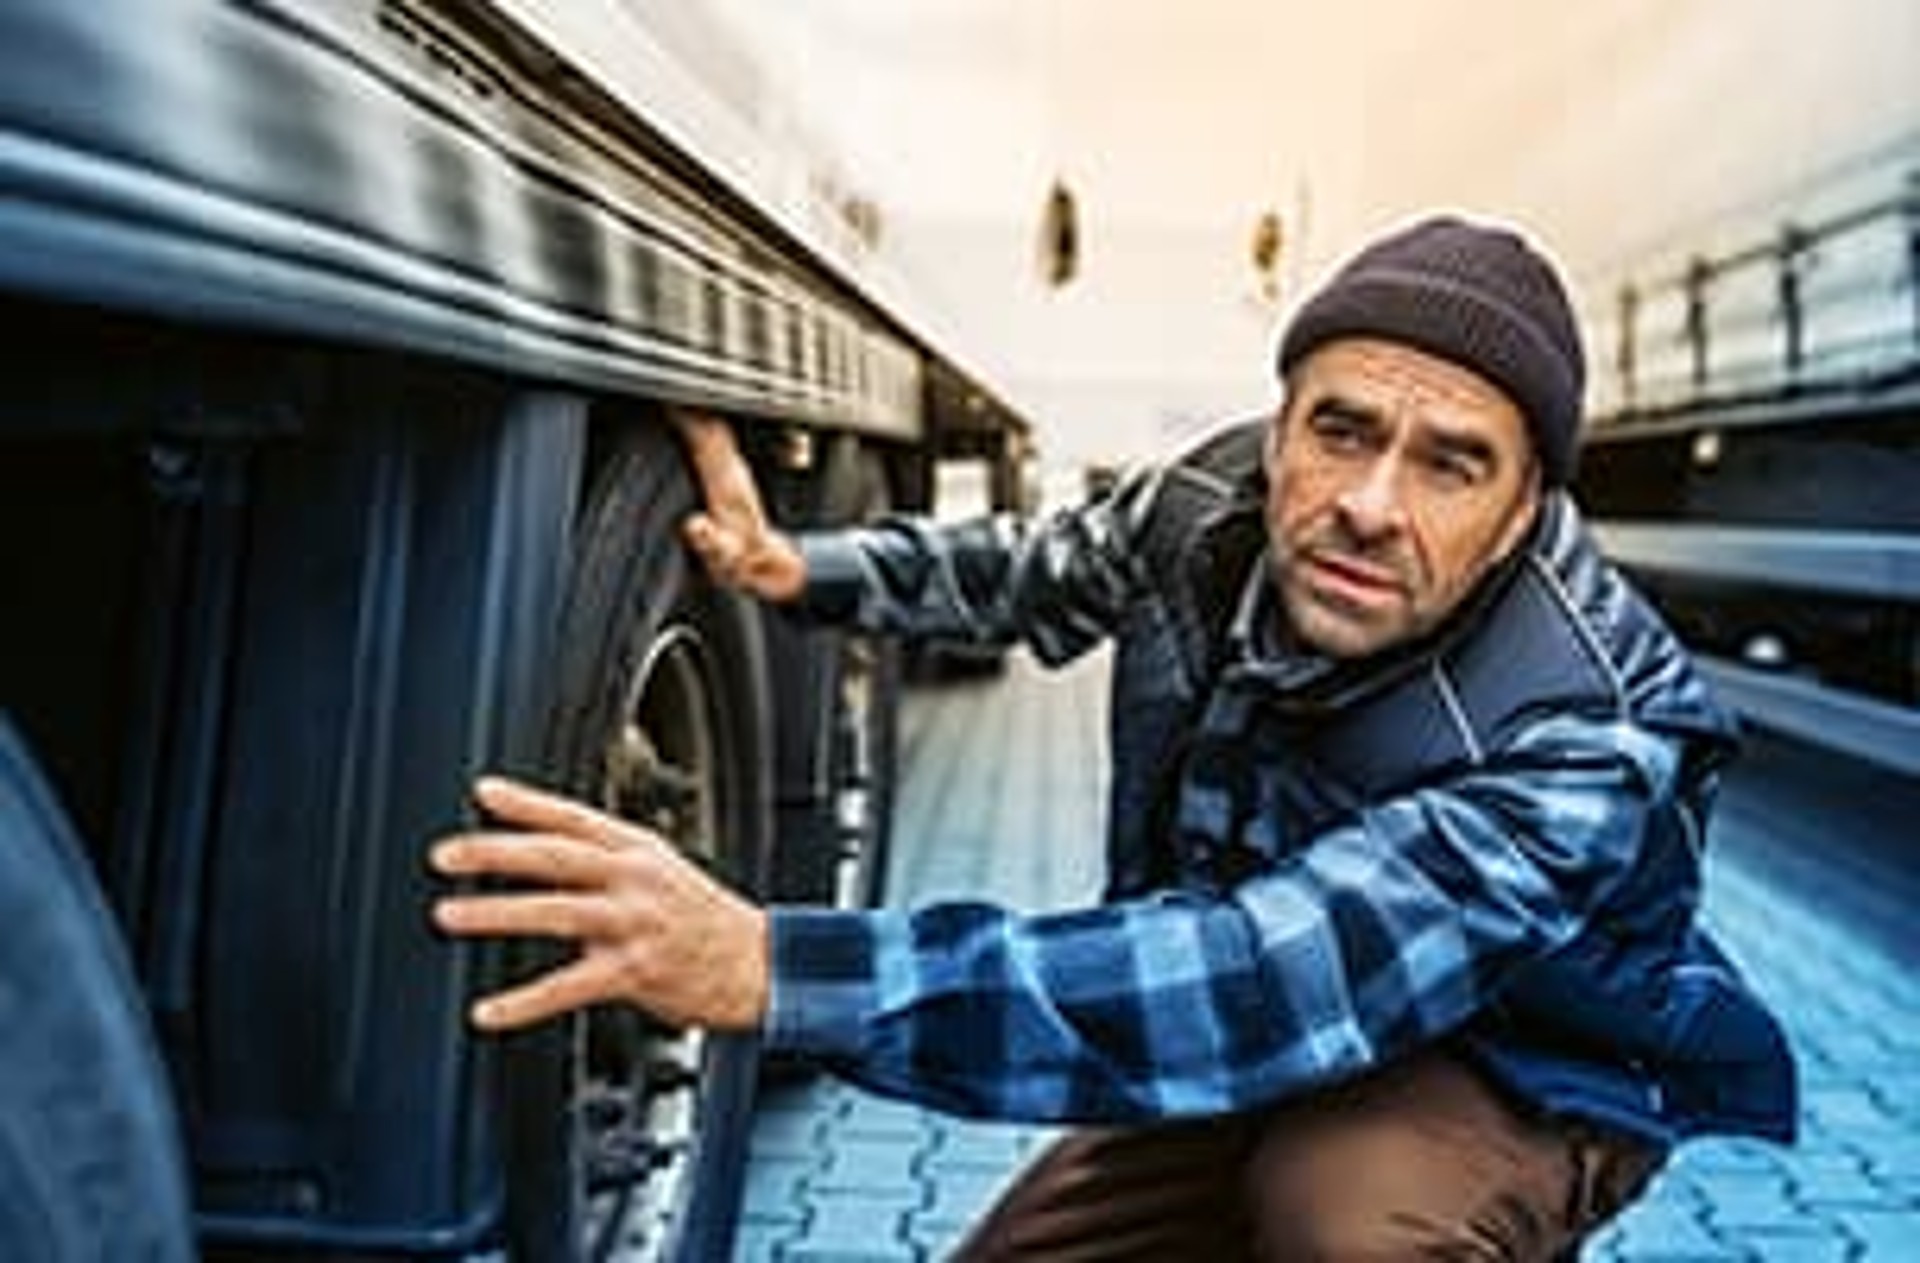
(733, 537)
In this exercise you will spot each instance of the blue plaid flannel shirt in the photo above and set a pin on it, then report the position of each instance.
(1202, 996)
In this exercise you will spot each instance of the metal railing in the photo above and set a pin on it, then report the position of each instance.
(1821, 299)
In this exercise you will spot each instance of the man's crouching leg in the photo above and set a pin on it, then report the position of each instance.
(1421, 1160)
(1133, 1194)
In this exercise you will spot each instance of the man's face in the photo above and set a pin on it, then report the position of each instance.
(1397, 480)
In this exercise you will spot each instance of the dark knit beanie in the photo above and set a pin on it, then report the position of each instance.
(1476, 295)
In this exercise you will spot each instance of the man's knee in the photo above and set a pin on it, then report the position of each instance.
(1323, 1194)
(1425, 1161)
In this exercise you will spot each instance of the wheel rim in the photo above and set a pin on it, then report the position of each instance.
(638, 1082)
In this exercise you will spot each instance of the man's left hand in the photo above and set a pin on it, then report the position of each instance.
(652, 929)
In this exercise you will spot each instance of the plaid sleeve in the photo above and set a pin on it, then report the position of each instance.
(1375, 938)
(1058, 583)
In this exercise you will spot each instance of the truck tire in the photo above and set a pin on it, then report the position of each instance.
(661, 716)
(90, 1158)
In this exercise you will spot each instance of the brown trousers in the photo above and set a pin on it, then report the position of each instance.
(1421, 1160)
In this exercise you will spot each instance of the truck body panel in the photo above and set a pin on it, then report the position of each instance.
(335, 334)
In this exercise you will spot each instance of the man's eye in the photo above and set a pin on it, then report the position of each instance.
(1339, 433)
(1456, 470)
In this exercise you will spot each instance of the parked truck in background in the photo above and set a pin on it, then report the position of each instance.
(334, 469)
(1754, 449)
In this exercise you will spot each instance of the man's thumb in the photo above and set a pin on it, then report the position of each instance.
(715, 545)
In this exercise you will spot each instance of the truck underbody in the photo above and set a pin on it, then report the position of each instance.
(340, 340)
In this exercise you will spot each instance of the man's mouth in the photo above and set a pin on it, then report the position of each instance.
(1355, 579)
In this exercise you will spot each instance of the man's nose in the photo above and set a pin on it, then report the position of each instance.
(1372, 506)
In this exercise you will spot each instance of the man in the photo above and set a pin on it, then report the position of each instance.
(1408, 797)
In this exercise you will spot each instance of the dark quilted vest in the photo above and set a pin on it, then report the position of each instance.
(1640, 1021)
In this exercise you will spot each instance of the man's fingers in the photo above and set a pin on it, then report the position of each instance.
(766, 565)
(727, 487)
(726, 480)
(718, 547)
(572, 986)
(541, 859)
(700, 429)
(545, 915)
(732, 535)
(513, 803)
(710, 443)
